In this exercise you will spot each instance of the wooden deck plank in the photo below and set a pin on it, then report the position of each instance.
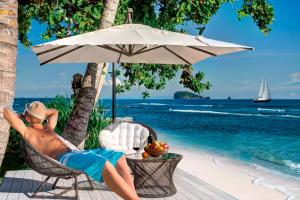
(39, 179)
(189, 191)
(117, 197)
(105, 192)
(179, 195)
(45, 191)
(181, 191)
(26, 189)
(202, 192)
(6, 184)
(46, 188)
(21, 184)
(101, 191)
(15, 188)
(48, 193)
(51, 181)
(196, 182)
(68, 183)
(57, 191)
(85, 194)
(100, 187)
(36, 182)
(185, 194)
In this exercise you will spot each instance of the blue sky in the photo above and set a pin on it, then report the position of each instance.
(276, 57)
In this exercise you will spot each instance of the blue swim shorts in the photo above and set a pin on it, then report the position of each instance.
(90, 161)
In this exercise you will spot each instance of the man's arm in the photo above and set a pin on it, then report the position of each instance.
(15, 121)
(52, 116)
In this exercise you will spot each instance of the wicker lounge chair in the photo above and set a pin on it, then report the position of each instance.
(52, 168)
(122, 136)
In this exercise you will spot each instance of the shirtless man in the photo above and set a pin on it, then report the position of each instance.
(100, 164)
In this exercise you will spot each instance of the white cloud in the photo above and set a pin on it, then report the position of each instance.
(292, 94)
(109, 82)
(62, 74)
(248, 82)
(295, 78)
(245, 82)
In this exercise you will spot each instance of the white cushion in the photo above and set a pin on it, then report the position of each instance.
(124, 136)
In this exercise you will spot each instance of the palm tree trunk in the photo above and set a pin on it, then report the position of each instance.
(100, 79)
(8, 55)
(76, 128)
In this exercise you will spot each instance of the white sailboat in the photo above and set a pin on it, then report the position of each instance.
(264, 92)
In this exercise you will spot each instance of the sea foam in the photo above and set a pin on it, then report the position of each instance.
(199, 105)
(285, 163)
(153, 104)
(291, 164)
(271, 110)
(214, 112)
(231, 113)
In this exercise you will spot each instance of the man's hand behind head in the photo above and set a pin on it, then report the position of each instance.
(52, 115)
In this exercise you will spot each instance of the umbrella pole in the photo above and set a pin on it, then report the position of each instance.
(113, 93)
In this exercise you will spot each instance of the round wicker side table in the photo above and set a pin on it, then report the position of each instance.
(153, 177)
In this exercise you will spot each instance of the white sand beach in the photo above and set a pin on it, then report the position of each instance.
(241, 180)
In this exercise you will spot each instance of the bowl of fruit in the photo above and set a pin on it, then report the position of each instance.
(156, 148)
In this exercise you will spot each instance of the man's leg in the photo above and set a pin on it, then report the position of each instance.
(123, 169)
(121, 165)
(116, 183)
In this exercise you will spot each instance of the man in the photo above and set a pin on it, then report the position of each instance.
(98, 163)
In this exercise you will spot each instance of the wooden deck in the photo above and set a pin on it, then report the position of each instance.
(20, 185)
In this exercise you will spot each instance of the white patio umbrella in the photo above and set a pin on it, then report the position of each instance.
(133, 43)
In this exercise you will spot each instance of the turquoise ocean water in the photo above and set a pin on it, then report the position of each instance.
(266, 134)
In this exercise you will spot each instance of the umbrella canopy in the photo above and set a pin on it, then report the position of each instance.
(133, 43)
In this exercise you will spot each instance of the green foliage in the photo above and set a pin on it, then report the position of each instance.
(155, 77)
(122, 12)
(97, 119)
(97, 122)
(64, 107)
(193, 82)
(65, 18)
(261, 12)
(13, 159)
(152, 77)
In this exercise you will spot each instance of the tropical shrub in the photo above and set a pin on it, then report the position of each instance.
(13, 159)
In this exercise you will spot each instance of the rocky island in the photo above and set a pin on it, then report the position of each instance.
(188, 95)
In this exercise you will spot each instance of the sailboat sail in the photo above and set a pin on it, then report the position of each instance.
(264, 92)
(261, 90)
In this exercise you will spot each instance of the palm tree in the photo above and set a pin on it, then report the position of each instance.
(76, 128)
(8, 54)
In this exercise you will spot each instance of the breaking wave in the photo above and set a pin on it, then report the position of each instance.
(271, 110)
(153, 104)
(229, 113)
(285, 163)
(199, 105)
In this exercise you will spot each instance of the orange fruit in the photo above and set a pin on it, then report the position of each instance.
(145, 155)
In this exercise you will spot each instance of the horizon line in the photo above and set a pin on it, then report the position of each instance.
(161, 98)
